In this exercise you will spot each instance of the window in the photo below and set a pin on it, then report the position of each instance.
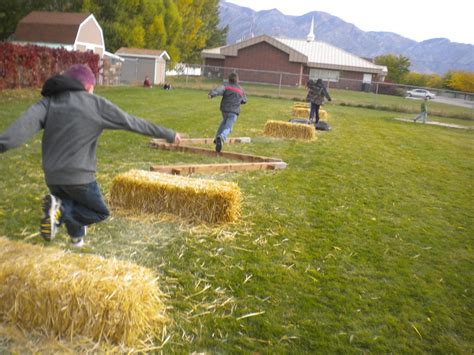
(324, 74)
(367, 78)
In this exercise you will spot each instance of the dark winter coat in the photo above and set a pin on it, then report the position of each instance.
(232, 97)
(317, 92)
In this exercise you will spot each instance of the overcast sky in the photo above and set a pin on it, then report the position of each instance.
(415, 19)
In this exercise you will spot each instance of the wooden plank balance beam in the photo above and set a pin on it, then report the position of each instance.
(207, 140)
(248, 162)
(214, 168)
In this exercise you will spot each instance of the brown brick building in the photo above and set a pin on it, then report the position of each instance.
(291, 62)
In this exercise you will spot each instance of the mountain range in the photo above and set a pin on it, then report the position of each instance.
(437, 55)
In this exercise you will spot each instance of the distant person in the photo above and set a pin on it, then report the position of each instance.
(423, 115)
(147, 82)
(72, 119)
(316, 95)
(232, 97)
(167, 86)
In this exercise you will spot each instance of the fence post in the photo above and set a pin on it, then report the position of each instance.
(376, 94)
(279, 85)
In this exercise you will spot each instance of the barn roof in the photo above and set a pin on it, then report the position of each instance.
(50, 27)
(312, 53)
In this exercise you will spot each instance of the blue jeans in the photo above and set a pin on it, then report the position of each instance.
(314, 110)
(422, 116)
(228, 120)
(81, 205)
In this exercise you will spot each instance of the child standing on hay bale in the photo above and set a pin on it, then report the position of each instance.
(73, 119)
(316, 95)
(232, 97)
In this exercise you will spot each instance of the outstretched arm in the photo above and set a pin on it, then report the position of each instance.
(218, 91)
(115, 118)
(327, 95)
(25, 126)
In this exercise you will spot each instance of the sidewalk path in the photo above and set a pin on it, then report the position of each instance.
(436, 123)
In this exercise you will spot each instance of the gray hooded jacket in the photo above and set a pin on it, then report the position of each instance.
(72, 120)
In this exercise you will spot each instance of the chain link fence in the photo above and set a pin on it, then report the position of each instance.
(289, 85)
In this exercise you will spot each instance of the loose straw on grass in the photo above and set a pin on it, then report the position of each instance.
(68, 295)
(197, 200)
(289, 130)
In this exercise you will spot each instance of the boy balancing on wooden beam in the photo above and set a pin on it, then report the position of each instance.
(73, 118)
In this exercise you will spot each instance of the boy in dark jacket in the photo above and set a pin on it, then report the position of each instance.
(73, 119)
(232, 97)
(316, 95)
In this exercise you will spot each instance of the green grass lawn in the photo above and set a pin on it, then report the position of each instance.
(363, 244)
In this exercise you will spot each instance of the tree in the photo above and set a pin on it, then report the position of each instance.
(200, 28)
(398, 66)
(216, 36)
(423, 80)
(460, 81)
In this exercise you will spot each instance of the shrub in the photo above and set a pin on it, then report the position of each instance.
(31, 65)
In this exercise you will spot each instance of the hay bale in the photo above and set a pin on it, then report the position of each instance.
(303, 112)
(301, 104)
(197, 200)
(289, 130)
(300, 112)
(62, 294)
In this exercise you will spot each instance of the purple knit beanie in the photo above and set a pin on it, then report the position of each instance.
(82, 73)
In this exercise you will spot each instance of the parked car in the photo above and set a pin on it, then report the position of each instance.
(421, 93)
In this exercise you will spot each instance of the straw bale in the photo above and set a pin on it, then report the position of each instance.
(303, 112)
(300, 112)
(197, 200)
(289, 130)
(68, 295)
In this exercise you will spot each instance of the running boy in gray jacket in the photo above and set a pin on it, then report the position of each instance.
(73, 119)
(232, 97)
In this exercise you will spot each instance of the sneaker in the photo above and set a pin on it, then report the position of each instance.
(218, 144)
(51, 215)
(78, 242)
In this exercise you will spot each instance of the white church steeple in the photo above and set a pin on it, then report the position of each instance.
(311, 37)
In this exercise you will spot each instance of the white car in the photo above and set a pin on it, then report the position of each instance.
(421, 93)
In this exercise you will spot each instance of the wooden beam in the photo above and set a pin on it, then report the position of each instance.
(211, 152)
(215, 168)
(207, 140)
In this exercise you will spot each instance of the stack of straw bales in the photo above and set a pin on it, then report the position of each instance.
(197, 200)
(301, 110)
(65, 295)
(289, 130)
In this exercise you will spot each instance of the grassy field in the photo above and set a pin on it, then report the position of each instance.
(363, 244)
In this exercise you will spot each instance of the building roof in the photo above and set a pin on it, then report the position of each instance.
(315, 54)
(50, 27)
(143, 52)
